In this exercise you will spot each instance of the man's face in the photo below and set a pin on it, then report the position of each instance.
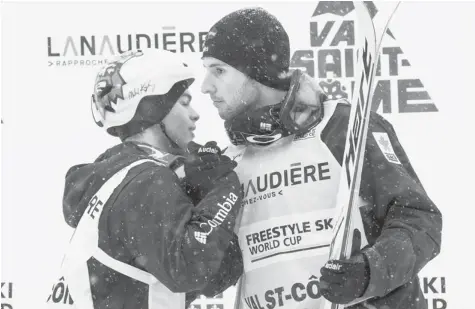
(230, 90)
(181, 121)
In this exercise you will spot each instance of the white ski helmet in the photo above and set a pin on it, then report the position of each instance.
(132, 76)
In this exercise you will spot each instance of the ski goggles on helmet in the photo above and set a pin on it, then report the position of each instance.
(302, 108)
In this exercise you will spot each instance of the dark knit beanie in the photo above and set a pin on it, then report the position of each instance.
(254, 42)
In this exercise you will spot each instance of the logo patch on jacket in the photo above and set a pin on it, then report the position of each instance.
(384, 144)
(310, 134)
(219, 218)
(208, 150)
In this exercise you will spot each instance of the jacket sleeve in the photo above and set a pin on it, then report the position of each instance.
(181, 244)
(410, 225)
(230, 271)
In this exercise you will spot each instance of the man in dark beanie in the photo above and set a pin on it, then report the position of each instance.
(289, 146)
(255, 43)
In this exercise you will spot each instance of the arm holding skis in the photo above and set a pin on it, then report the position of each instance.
(410, 224)
(401, 223)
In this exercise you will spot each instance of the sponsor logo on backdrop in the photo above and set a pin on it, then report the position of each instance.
(60, 293)
(280, 297)
(331, 55)
(94, 49)
(435, 289)
(7, 295)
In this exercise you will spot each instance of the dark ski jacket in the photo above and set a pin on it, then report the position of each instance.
(150, 222)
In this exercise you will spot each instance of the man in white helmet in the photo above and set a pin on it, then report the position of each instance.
(143, 235)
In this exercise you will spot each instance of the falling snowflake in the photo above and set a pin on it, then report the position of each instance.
(93, 279)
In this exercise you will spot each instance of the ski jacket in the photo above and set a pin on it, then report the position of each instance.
(151, 224)
(290, 188)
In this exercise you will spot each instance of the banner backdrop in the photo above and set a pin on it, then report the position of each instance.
(51, 53)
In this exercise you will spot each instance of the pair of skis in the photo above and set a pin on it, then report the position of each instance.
(348, 229)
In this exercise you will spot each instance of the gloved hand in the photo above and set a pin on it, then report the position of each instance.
(204, 165)
(343, 281)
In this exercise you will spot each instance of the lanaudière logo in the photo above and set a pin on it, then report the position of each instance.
(93, 50)
(331, 58)
(273, 184)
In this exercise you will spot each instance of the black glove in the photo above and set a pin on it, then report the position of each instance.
(204, 165)
(343, 281)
